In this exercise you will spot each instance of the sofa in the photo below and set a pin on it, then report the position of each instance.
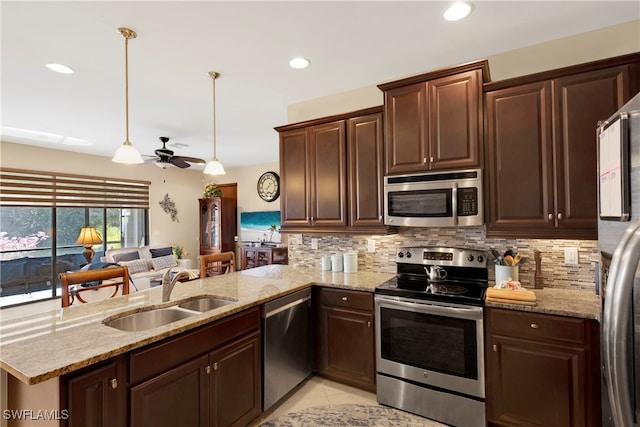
(147, 264)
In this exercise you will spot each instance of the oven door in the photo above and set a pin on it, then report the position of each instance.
(431, 343)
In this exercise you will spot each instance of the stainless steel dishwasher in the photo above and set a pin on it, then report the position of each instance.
(286, 344)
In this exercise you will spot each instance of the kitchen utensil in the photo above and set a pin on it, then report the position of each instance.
(508, 260)
(517, 259)
(509, 252)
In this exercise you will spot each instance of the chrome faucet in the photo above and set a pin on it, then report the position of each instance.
(169, 280)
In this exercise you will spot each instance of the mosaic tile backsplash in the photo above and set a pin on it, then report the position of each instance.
(554, 271)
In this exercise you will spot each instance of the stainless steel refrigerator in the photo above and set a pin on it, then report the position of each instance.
(619, 246)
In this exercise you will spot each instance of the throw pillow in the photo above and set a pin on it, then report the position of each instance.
(136, 266)
(127, 256)
(158, 252)
(161, 262)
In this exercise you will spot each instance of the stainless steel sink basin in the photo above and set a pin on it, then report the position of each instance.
(150, 319)
(205, 303)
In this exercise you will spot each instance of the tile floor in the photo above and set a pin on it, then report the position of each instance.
(318, 391)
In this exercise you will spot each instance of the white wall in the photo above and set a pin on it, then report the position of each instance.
(605, 43)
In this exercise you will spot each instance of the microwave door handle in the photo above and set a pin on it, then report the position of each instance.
(454, 203)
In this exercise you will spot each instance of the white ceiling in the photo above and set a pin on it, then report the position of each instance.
(350, 45)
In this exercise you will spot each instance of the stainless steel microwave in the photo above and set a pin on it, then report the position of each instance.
(439, 199)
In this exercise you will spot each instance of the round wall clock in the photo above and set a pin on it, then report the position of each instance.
(269, 186)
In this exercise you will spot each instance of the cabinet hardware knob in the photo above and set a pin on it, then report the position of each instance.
(114, 383)
(495, 348)
(344, 298)
(215, 366)
(550, 217)
(207, 369)
(560, 216)
(368, 324)
(424, 160)
(430, 159)
(535, 326)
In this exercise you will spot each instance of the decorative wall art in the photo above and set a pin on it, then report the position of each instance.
(262, 226)
(169, 207)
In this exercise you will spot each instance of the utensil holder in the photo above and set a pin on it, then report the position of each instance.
(506, 272)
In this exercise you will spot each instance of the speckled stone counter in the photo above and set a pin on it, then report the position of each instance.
(43, 345)
(562, 302)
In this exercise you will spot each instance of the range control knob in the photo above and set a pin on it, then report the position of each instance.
(480, 258)
(400, 255)
(469, 257)
(408, 254)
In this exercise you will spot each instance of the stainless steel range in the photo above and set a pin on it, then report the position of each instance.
(429, 335)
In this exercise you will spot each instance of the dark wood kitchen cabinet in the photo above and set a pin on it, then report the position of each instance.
(96, 396)
(434, 121)
(541, 147)
(207, 377)
(542, 370)
(345, 348)
(331, 174)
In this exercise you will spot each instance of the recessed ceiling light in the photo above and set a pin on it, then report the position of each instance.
(299, 63)
(59, 68)
(457, 11)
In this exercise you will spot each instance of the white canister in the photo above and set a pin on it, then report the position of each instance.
(350, 262)
(326, 263)
(336, 262)
(506, 272)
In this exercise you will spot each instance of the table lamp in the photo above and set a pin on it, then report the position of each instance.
(88, 237)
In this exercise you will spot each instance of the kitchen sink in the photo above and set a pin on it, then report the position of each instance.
(205, 303)
(150, 319)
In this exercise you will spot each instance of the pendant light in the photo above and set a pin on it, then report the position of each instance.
(127, 153)
(214, 167)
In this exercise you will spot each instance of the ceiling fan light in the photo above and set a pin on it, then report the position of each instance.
(127, 154)
(163, 165)
(214, 167)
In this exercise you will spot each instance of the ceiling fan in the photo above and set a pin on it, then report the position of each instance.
(164, 157)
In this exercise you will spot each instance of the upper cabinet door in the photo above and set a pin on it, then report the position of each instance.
(364, 145)
(520, 159)
(406, 144)
(294, 182)
(581, 100)
(455, 118)
(328, 174)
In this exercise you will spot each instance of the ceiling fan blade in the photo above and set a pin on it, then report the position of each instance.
(176, 161)
(190, 159)
(150, 159)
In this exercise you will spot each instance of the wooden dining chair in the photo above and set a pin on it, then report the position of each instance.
(217, 264)
(110, 277)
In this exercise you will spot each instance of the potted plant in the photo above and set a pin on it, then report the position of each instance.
(211, 190)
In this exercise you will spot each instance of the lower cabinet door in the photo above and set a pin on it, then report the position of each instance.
(347, 352)
(236, 383)
(179, 397)
(98, 398)
(536, 384)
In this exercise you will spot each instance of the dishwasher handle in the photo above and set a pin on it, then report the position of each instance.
(286, 306)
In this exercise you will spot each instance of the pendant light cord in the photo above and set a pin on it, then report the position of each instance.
(214, 75)
(126, 86)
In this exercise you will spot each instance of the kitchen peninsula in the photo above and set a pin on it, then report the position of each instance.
(41, 348)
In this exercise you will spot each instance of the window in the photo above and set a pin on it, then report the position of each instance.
(41, 215)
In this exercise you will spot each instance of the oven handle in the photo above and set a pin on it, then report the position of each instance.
(471, 312)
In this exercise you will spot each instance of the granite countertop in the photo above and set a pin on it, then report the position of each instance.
(37, 345)
(561, 302)
(42, 345)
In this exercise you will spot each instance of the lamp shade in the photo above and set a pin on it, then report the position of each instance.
(214, 167)
(127, 154)
(88, 236)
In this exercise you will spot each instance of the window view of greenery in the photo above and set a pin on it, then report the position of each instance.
(29, 244)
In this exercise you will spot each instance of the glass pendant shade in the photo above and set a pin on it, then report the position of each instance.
(214, 167)
(127, 154)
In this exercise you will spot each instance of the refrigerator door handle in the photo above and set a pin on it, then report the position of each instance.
(616, 320)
